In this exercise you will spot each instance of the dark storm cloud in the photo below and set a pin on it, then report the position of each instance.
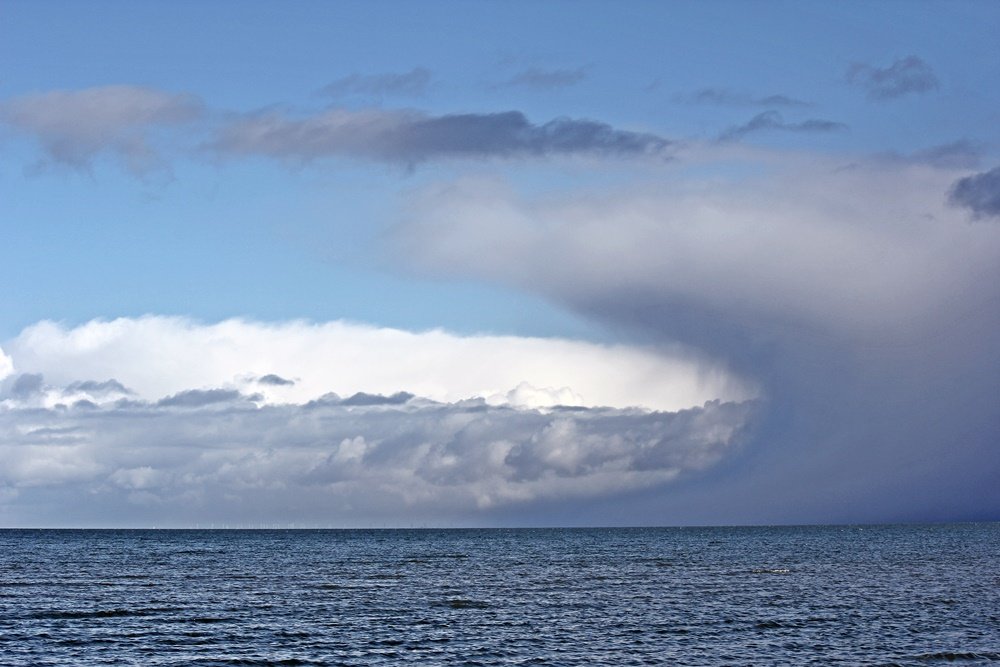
(546, 79)
(75, 127)
(862, 304)
(772, 120)
(413, 83)
(980, 193)
(409, 138)
(340, 461)
(732, 98)
(904, 76)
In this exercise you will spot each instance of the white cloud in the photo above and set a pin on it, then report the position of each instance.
(329, 461)
(160, 356)
(6, 365)
(236, 420)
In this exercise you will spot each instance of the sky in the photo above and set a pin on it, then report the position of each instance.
(499, 263)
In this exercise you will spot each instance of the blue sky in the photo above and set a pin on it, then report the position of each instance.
(790, 205)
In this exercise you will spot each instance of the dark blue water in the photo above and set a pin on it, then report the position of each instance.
(889, 595)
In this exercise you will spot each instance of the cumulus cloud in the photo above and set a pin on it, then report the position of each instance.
(74, 127)
(546, 79)
(214, 456)
(904, 76)
(980, 193)
(162, 356)
(772, 120)
(861, 301)
(6, 365)
(411, 137)
(733, 98)
(413, 83)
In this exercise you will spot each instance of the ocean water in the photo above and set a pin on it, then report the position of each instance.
(889, 595)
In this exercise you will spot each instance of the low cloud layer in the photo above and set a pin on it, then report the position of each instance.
(862, 302)
(772, 120)
(905, 76)
(75, 127)
(218, 456)
(410, 138)
(980, 193)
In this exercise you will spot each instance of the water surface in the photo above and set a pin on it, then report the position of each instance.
(890, 595)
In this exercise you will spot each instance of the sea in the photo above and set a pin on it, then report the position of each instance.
(820, 595)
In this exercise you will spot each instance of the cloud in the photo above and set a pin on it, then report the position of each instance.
(338, 462)
(361, 398)
(980, 193)
(904, 76)
(26, 385)
(864, 305)
(161, 356)
(410, 137)
(195, 398)
(732, 98)
(413, 83)
(99, 388)
(546, 79)
(275, 380)
(772, 120)
(961, 154)
(75, 127)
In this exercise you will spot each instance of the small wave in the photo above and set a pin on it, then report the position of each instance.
(951, 656)
(463, 603)
(259, 662)
(770, 570)
(96, 613)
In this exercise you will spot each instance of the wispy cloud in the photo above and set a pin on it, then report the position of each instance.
(410, 138)
(904, 76)
(413, 83)
(772, 120)
(546, 79)
(732, 98)
(75, 127)
(980, 193)
(961, 154)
